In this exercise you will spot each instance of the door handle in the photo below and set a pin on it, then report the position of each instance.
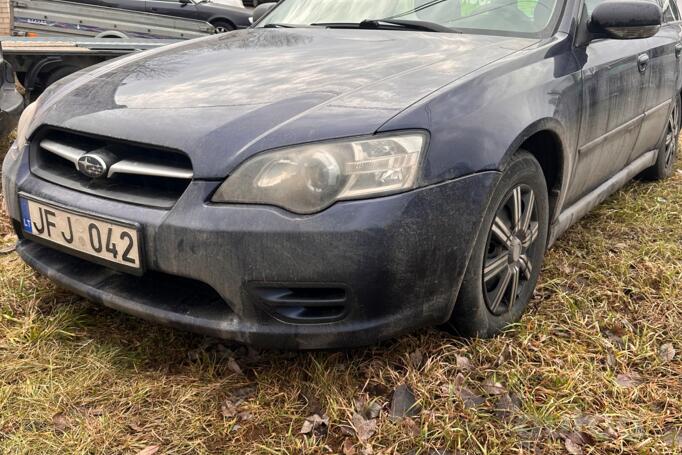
(678, 50)
(643, 62)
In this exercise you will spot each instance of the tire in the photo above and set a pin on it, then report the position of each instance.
(667, 153)
(222, 26)
(484, 304)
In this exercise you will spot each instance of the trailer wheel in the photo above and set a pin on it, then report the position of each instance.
(59, 73)
(112, 34)
(222, 26)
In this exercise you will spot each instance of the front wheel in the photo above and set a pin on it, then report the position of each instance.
(508, 253)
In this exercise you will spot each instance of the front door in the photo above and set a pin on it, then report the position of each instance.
(616, 78)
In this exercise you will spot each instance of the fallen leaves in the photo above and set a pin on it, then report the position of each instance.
(629, 380)
(150, 450)
(364, 428)
(466, 395)
(667, 353)
(8, 249)
(491, 387)
(316, 425)
(61, 422)
(506, 405)
(404, 403)
(463, 363)
(575, 440)
(233, 407)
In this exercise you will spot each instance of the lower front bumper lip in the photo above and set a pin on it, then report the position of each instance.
(193, 311)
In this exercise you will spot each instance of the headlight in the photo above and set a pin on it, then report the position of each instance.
(24, 124)
(309, 178)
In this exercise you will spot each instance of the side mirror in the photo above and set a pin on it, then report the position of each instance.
(185, 2)
(626, 19)
(261, 10)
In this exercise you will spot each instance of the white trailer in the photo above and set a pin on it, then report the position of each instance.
(63, 18)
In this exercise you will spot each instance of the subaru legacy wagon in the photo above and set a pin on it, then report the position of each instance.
(345, 171)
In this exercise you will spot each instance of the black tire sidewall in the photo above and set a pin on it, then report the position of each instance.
(471, 316)
(226, 25)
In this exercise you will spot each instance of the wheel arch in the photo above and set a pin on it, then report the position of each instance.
(544, 139)
(215, 19)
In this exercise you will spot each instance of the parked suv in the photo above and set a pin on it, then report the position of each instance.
(223, 17)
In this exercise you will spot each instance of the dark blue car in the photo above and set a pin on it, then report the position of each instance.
(345, 171)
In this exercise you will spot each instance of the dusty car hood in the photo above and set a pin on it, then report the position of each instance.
(223, 98)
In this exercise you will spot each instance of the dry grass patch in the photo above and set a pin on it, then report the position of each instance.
(592, 368)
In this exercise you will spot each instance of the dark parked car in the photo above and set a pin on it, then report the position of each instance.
(369, 166)
(223, 17)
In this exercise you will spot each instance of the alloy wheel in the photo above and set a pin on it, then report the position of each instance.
(671, 137)
(508, 266)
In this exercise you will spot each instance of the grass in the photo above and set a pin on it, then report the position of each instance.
(587, 370)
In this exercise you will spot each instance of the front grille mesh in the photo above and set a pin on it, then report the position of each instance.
(141, 174)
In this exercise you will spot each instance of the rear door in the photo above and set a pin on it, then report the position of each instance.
(664, 65)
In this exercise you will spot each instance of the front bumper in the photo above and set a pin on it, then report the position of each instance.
(398, 261)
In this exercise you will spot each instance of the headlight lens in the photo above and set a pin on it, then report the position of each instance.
(24, 124)
(310, 178)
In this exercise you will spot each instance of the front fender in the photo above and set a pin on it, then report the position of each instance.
(476, 123)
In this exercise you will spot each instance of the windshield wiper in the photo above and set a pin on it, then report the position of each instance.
(423, 26)
(279, 25)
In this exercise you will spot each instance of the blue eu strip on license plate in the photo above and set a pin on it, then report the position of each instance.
(25, 216)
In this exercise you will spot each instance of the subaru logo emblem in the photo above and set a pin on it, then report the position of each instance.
(93, 165)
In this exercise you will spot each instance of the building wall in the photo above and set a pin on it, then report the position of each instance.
(5, 18)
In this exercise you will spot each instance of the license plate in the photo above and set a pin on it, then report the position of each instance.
(107, 241)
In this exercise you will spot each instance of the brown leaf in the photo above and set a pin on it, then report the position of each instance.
(244, 393)
(469, 398)
(364, 429)
(8, 249)
(667, 352)
(316, 425)
(347, 447)
(506, 405)
(244, 416)
(404, 403)
(150, 450)
(61, 422)
(629, 380)
(572, 447)
(233, 366)
(312, 404)
(135, 427)
(673, 438)
(410, 426)
(463, 363)
(416, 359)
(229, 408)
(493, 388)
(369, 409)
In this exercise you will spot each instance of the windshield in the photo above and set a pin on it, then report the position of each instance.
(514, 17)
